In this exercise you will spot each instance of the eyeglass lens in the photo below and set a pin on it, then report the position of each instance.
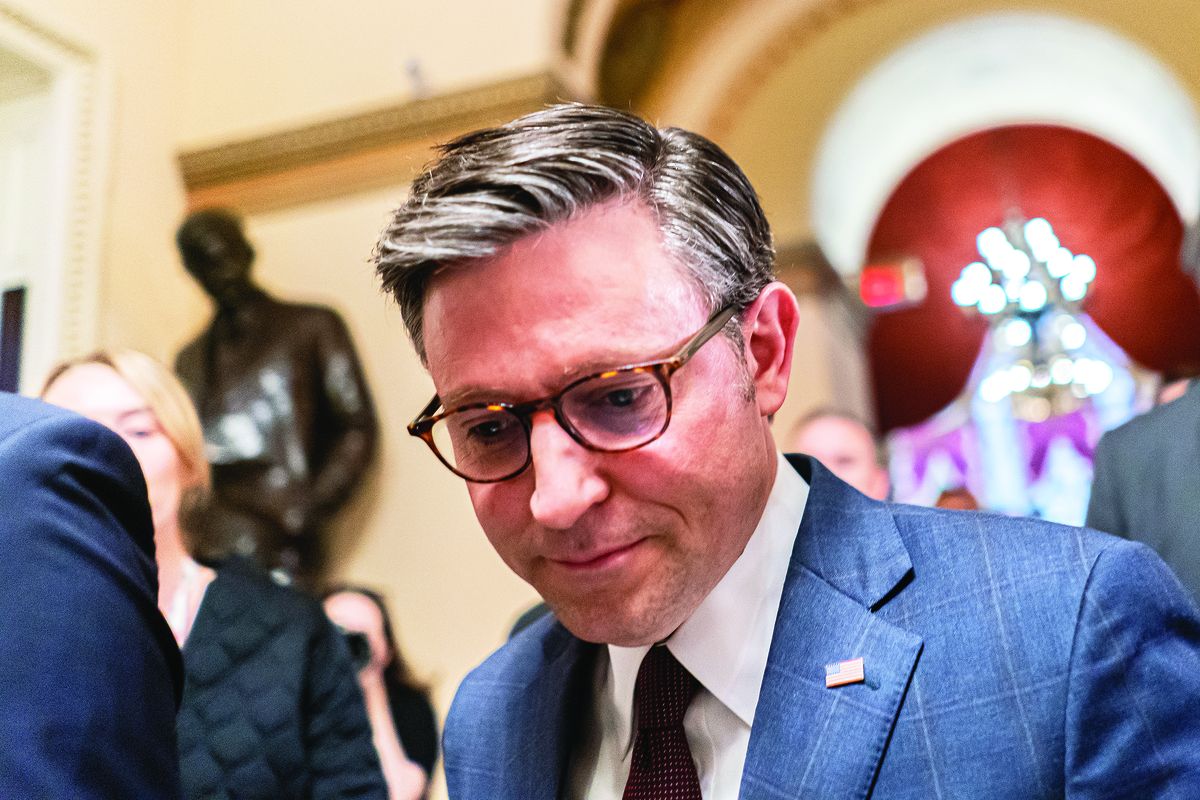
(617, 410)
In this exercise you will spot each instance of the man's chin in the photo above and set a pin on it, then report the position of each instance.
(614, 627)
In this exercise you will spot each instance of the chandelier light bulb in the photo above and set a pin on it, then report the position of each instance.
(1029, 287)
(964, 293)
(1040, 238)
(1073, 335)
(993, 245)
(978, 274)
(1101, 378)
(1073, 287)
(1093, 375)
(1084, 268)
(1062, 370)
(1033, 296)
(1019, 376)
(1059, 262)
(1015, 264)
(992, 300)
(1018, 332)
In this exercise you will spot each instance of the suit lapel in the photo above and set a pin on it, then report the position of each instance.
(808, 740)
(520, 737)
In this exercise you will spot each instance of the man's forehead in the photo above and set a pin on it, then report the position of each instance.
(596, 291)
(606, 255)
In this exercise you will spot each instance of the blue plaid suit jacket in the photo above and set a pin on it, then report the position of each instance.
(1004, 658)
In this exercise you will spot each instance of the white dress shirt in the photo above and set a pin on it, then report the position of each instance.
(724, 644)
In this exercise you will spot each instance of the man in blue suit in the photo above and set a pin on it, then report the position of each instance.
(89, 672)
(595, 302)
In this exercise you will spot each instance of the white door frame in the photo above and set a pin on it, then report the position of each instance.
(63, 297)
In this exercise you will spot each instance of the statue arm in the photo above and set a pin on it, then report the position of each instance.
(349, 420)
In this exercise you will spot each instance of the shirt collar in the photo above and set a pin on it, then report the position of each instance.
(724, 643)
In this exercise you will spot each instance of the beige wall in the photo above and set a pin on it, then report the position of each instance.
(253, 67)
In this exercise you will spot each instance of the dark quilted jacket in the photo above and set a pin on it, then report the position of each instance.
(271, 707)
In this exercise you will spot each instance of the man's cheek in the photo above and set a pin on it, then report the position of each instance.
(498, 505)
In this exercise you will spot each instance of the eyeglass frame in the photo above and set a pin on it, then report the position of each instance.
(662, 369)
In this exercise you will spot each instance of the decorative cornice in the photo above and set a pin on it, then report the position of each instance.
(45, 34)
(420, 120)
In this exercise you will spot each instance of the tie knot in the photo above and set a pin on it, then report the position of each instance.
(662, 691)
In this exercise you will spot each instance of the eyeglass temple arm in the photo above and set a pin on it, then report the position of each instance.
(415, 426)
(714, 324)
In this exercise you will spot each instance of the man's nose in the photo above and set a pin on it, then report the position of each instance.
(565, 482)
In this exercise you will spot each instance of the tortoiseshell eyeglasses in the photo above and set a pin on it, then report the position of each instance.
(611, 412)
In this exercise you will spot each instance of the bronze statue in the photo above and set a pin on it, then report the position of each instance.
(289, 425)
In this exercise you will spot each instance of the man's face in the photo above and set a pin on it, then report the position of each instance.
(848, 450)
(623, 546)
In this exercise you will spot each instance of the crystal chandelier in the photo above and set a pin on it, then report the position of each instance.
(1031, 289)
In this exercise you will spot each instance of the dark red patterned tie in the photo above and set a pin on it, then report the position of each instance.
(662, 767)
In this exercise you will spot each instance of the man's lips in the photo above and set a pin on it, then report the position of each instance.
(596, 559)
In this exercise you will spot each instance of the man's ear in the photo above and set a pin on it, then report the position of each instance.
(769, 328)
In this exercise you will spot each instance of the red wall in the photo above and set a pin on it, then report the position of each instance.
(1099, 200)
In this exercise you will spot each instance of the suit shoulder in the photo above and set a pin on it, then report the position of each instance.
(510, 668)
(512, 658)
(1131, 574)
(969, 543)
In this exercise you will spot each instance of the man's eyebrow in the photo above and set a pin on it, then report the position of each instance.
(594, 366)
(573, 372)
(470, 396)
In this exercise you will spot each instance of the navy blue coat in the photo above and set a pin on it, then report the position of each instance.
(89, 672)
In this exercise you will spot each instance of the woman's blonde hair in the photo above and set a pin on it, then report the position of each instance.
(172, 407)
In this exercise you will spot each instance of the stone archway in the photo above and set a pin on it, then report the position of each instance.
(987, 72)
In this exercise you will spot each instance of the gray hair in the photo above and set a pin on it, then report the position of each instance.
(495, 186)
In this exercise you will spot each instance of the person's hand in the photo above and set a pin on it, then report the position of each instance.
(370, 678)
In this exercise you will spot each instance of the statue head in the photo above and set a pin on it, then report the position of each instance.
(215, 251)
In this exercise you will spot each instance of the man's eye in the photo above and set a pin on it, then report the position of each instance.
(620, 398)
(491, 430)
(625, 397)
(488, 429)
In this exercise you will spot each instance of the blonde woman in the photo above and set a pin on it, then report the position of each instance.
(270, 704)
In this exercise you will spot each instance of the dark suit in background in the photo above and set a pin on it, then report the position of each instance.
(1147, 485)
(89, 672)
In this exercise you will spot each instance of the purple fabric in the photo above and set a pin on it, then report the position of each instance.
(1039, 436)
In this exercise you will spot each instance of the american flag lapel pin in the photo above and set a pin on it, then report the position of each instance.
(844, 672)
